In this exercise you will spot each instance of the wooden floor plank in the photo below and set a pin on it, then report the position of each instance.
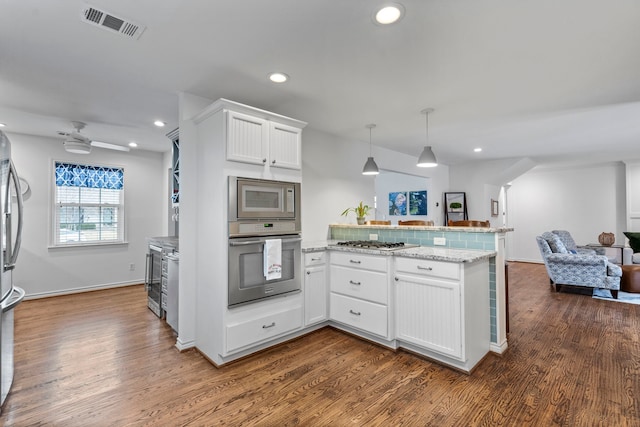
(103, 359)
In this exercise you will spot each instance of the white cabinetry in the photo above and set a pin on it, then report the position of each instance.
(260, 141)
(230, 139)
(315, 287)
(442, 309)
(359, 295)
(252, 331)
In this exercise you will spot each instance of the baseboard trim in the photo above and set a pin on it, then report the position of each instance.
(82, 289)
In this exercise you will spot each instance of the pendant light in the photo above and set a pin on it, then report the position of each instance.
(370, 167)
(427, 159)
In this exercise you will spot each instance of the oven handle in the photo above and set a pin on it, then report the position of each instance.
(259, 242)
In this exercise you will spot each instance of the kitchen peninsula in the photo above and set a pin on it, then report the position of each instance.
(430, 301)
(475, 238)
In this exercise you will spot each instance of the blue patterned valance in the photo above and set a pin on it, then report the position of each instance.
(71, 175)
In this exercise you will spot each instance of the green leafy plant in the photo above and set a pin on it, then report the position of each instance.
(455, 205)
(361, 210)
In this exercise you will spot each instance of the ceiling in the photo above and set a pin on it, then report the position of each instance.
(551, 80)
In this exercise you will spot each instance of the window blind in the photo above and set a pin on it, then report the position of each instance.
(89, 204)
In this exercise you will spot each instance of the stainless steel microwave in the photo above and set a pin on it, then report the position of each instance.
(259, 206)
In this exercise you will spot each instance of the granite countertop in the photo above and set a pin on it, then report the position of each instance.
(421, 252)
(170, 241)
(445, 254)
(429, 228)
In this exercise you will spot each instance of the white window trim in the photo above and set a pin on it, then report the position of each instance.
(53, 208)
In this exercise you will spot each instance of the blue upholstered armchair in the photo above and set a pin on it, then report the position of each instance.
(570, 244)
(566, 268)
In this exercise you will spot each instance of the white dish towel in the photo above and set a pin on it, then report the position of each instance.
(272, 259)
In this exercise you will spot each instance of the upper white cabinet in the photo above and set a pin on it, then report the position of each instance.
(247, 138)
(285, 146)
(259, 141)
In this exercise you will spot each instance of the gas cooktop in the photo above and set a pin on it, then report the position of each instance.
(375, 244)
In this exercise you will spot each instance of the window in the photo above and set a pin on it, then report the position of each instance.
(89, 204)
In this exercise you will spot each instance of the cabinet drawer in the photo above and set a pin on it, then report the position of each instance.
(254, 331)
(369, 285)
(360, 314)
(425, 267)
(315, 258)
(355, 260)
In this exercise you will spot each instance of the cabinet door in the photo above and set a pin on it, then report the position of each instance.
(285, 144)
(429, 314)
(247, 138)
(315, 295)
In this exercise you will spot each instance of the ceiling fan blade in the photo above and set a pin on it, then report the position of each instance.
(78, 136)
(109, 146)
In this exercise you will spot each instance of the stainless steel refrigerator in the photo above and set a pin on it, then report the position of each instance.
(10, 236)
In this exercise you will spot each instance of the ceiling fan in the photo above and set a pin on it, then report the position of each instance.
(77, 143)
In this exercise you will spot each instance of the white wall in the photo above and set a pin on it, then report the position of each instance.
(481, 181)
(585, 200)
(332, 179)
(391, 182)
(41, 271)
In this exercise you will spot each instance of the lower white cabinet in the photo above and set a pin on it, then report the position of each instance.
(360, 291)
(429, 314)
(443, 309)
(315, 288)
(364, 315)
(254, 331)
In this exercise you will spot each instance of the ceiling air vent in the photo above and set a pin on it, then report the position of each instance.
(107, 21)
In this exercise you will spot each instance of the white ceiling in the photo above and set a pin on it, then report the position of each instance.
(546, 79)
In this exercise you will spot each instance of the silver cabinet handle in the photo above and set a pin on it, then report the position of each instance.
(316, 259)
(357, 313)
(269, 326)
(425, 268)
(355, 283)
(353, 261)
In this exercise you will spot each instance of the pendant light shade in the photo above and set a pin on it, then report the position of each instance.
(427, 159)
(370, 167)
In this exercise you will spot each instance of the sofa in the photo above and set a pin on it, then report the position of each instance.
(631, 255)
(577, 269)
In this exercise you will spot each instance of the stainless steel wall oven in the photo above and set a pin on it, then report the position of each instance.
(247, 282)
(261, 213)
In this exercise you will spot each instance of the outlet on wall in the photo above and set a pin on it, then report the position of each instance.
(132, 267)
(373, 237)
(439, 241)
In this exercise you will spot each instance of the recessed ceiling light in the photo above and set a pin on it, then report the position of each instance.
(2, 125)
(477, 150)
(133, 144)
(159, 123)
(278, 77)
(389, 13)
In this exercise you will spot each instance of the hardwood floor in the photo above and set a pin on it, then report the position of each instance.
(103, 359)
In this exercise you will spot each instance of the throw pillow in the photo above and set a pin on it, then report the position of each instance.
(556, 245)
(634, 240)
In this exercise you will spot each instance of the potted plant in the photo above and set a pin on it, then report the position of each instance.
(361, 211)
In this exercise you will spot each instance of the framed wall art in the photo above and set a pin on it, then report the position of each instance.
(455, 207)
